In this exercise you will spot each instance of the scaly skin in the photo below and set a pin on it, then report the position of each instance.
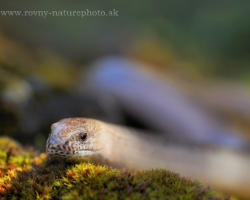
(76, 139)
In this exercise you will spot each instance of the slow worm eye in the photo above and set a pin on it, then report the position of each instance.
(83, 136)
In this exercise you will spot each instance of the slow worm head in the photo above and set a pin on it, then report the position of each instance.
(74, 139)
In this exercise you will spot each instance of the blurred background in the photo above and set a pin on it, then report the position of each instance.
(178, 67)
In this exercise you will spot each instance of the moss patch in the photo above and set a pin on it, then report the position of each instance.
(25, 175)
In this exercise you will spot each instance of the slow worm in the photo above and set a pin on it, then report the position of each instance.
(75, 139)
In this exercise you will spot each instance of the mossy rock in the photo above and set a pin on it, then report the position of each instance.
(25, 175)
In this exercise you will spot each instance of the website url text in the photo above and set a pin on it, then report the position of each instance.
(61, 13)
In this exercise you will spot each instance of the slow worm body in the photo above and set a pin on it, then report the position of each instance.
(76, 139)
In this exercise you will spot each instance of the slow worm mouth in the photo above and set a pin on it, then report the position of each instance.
(60, 153)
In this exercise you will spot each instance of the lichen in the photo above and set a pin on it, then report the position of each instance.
(25, 175)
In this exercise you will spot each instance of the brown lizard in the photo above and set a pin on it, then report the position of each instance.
(75, 139)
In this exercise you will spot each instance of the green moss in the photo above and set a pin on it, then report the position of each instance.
(88, 181)
(12, 154)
